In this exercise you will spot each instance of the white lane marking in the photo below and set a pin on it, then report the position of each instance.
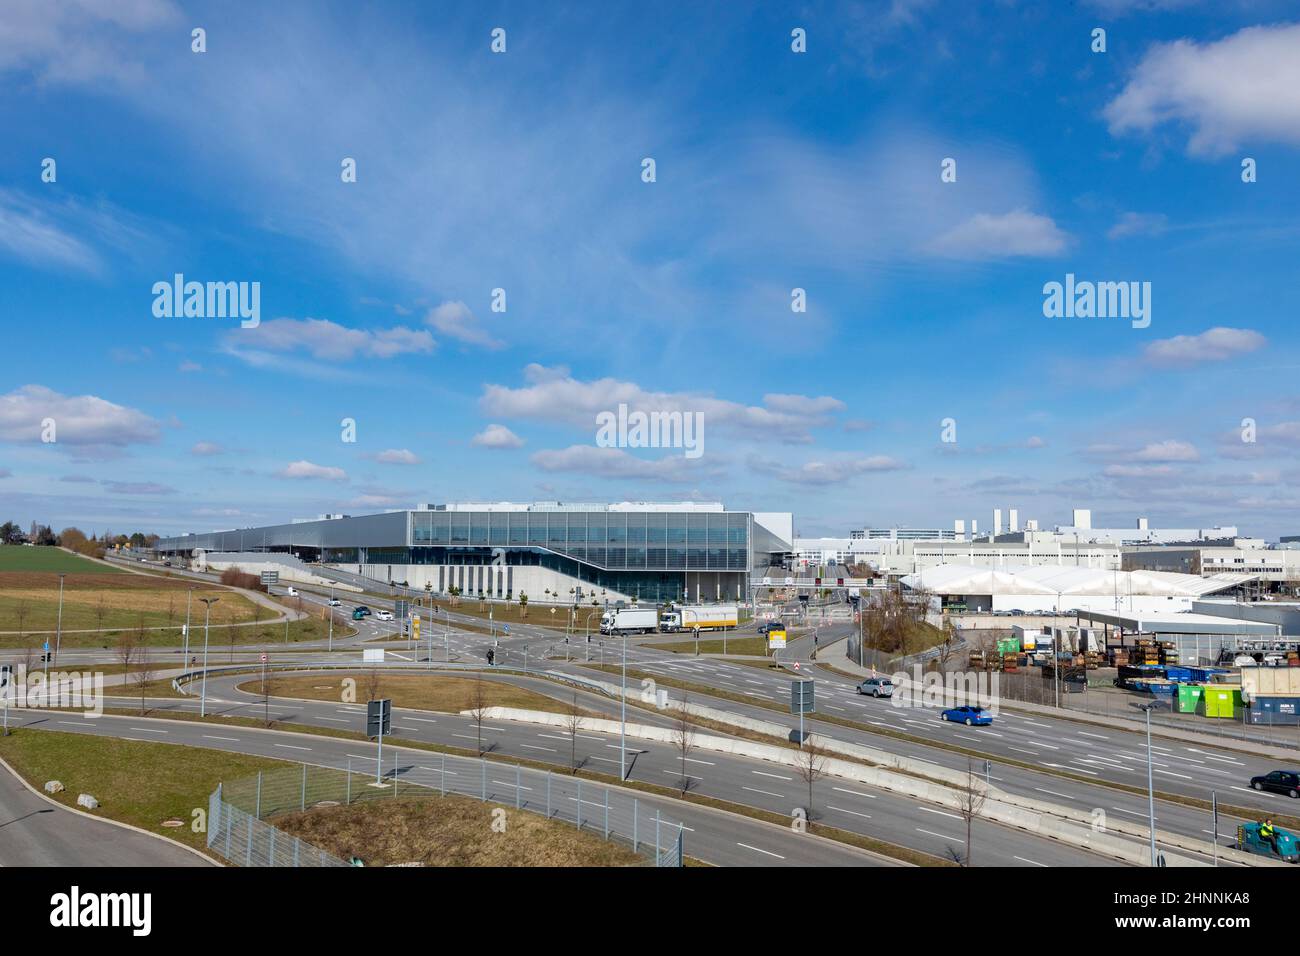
(436, 770)
(292, 747)
(423, 720)
(148, 730)
(757, 850)
(532, 747)
(1170, 773)
(1063, 796)
(869, 796)
(854, 812)
(933, 834)
(763, 773)
(1033, 862)
(1084, 733)
(940, 813)
(767, 793)
(214, 737)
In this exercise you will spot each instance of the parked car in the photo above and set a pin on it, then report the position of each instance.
(1285, 782)
(877, 687)
(970, 716)
(384, 616)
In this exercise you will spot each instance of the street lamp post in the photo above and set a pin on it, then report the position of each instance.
(622, 722)
(185, 654)
(1151, 794)
(207, 613)
(58, 628)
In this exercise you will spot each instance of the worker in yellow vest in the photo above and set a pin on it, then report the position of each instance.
(1269, 833)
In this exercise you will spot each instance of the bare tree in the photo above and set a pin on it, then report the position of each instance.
(970, 802)
(171, 607)
(21, 612)
(100, 611)
(810, 764)
(127, 652)
(144, 674)
(477, 706)
(573, 723)
(683, 740)
(949, 643)
(373, 684)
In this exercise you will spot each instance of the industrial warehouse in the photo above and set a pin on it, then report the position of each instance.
(574, 552)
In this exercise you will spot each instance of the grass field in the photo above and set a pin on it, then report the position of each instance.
(433, 692)
(52, 560)
(138, 783)
(449, 831)
(738, 644)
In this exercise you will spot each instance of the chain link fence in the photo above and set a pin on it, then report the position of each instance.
(239, 831)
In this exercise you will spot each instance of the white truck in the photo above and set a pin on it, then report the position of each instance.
(702, 617)
(629, 620)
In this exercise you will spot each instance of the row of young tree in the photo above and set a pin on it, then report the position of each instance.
(74, 539)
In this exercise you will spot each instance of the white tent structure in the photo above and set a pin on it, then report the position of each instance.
(1053, 587)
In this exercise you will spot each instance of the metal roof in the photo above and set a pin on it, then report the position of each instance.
(1066, 580)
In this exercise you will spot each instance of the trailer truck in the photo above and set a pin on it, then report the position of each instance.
(705, 617)
(629, 620)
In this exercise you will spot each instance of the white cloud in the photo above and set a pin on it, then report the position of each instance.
(455, 320)
(1035, 442)
(1138, 471)
(1244, 88)
(1168, 450)
(398, 456)
(829, 472)
(328, 341)
(560, 397)
(307, 469)
(1016, 233)
(189, 366)
(615, 463)
(207, 449)
(138, 488)
(497, 436)
(1138, 224)
(84, 420)
(1215, 345)
(29, 233)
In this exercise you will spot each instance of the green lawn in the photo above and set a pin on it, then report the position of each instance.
(14, 557)
(135, 782)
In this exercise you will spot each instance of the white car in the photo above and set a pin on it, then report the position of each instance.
(335, 602)
(292, 592)
(383, 615)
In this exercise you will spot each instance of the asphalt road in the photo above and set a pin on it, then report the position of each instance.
(34, 832)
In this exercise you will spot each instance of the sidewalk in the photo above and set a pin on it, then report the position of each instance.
(836, 655)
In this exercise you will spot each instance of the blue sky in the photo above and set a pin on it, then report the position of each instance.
(775, 170)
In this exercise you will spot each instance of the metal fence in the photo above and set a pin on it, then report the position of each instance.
(238, 810)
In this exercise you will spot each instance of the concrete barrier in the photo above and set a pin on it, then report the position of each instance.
(1065, 824)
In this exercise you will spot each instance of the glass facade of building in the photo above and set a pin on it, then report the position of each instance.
(615, 540)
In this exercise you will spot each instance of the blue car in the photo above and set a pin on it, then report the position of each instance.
(970, 716)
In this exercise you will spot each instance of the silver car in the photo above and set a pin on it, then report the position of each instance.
(877, 687)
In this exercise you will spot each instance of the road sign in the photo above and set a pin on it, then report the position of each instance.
(401, 609)
(379, 717)
(415, 627)
(801, 697)
(45, 646)
(263, 658)
(506, 628)
(270, 577)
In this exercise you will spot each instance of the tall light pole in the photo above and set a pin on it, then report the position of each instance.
(58, 628)
(1151, 793)
(622, 721)
(207, 612)
(185, 654)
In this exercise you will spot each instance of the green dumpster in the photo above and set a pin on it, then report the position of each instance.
(1222, 701)
(1189, 698)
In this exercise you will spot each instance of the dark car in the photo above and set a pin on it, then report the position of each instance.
(362, 610)
(1285, 782)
